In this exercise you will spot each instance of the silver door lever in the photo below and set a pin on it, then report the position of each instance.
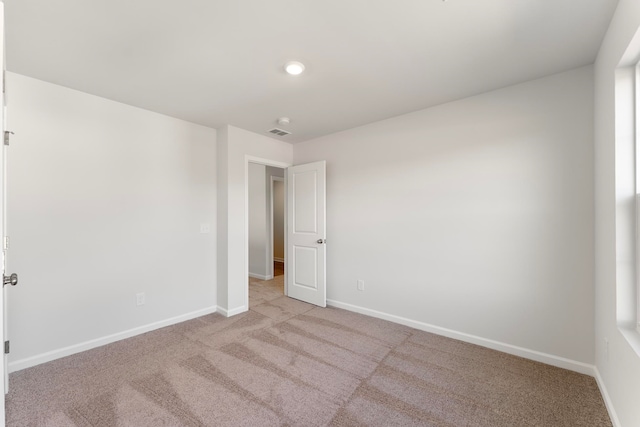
(10, 280)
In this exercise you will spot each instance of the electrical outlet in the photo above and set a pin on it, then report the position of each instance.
(205, 228)
(606, 349)
(360, 285)
(140, 298)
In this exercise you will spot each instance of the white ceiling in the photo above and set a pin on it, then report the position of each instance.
(220, 61)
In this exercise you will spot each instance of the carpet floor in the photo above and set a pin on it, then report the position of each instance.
(285, 362)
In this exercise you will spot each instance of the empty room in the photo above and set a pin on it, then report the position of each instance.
(320, 213)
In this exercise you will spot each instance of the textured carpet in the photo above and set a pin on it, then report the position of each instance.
(285, 362)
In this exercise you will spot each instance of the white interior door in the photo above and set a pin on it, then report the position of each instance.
(306, 233)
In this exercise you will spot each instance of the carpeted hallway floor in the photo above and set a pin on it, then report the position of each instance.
(285, 362)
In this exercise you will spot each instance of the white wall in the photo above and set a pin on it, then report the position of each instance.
(475, 216)
(105, 201)
(620, 372)
(236, 147)
(258, 229)
(222, 209)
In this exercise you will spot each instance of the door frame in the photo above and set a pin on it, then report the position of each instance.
(266, 162)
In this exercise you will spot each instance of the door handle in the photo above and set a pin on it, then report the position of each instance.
(10, 280)
(321, 241)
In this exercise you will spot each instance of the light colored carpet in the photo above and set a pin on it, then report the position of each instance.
(285, 362)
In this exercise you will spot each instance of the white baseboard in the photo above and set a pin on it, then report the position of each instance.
(260, 276)
(607, 399)
(561, 362)
(232, 312)
(278, 259)
(88, 345)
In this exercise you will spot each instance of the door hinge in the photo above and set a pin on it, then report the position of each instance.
(6, 243)
(6, 347)
(7, 134)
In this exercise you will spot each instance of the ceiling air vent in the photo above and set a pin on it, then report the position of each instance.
(279, 132)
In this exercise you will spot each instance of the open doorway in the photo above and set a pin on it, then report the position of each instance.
(266, 233)
(278, 224)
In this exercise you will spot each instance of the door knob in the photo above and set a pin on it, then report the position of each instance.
(10, 280)
(321, 241)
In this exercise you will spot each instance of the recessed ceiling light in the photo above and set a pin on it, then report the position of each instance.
(294, 67)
